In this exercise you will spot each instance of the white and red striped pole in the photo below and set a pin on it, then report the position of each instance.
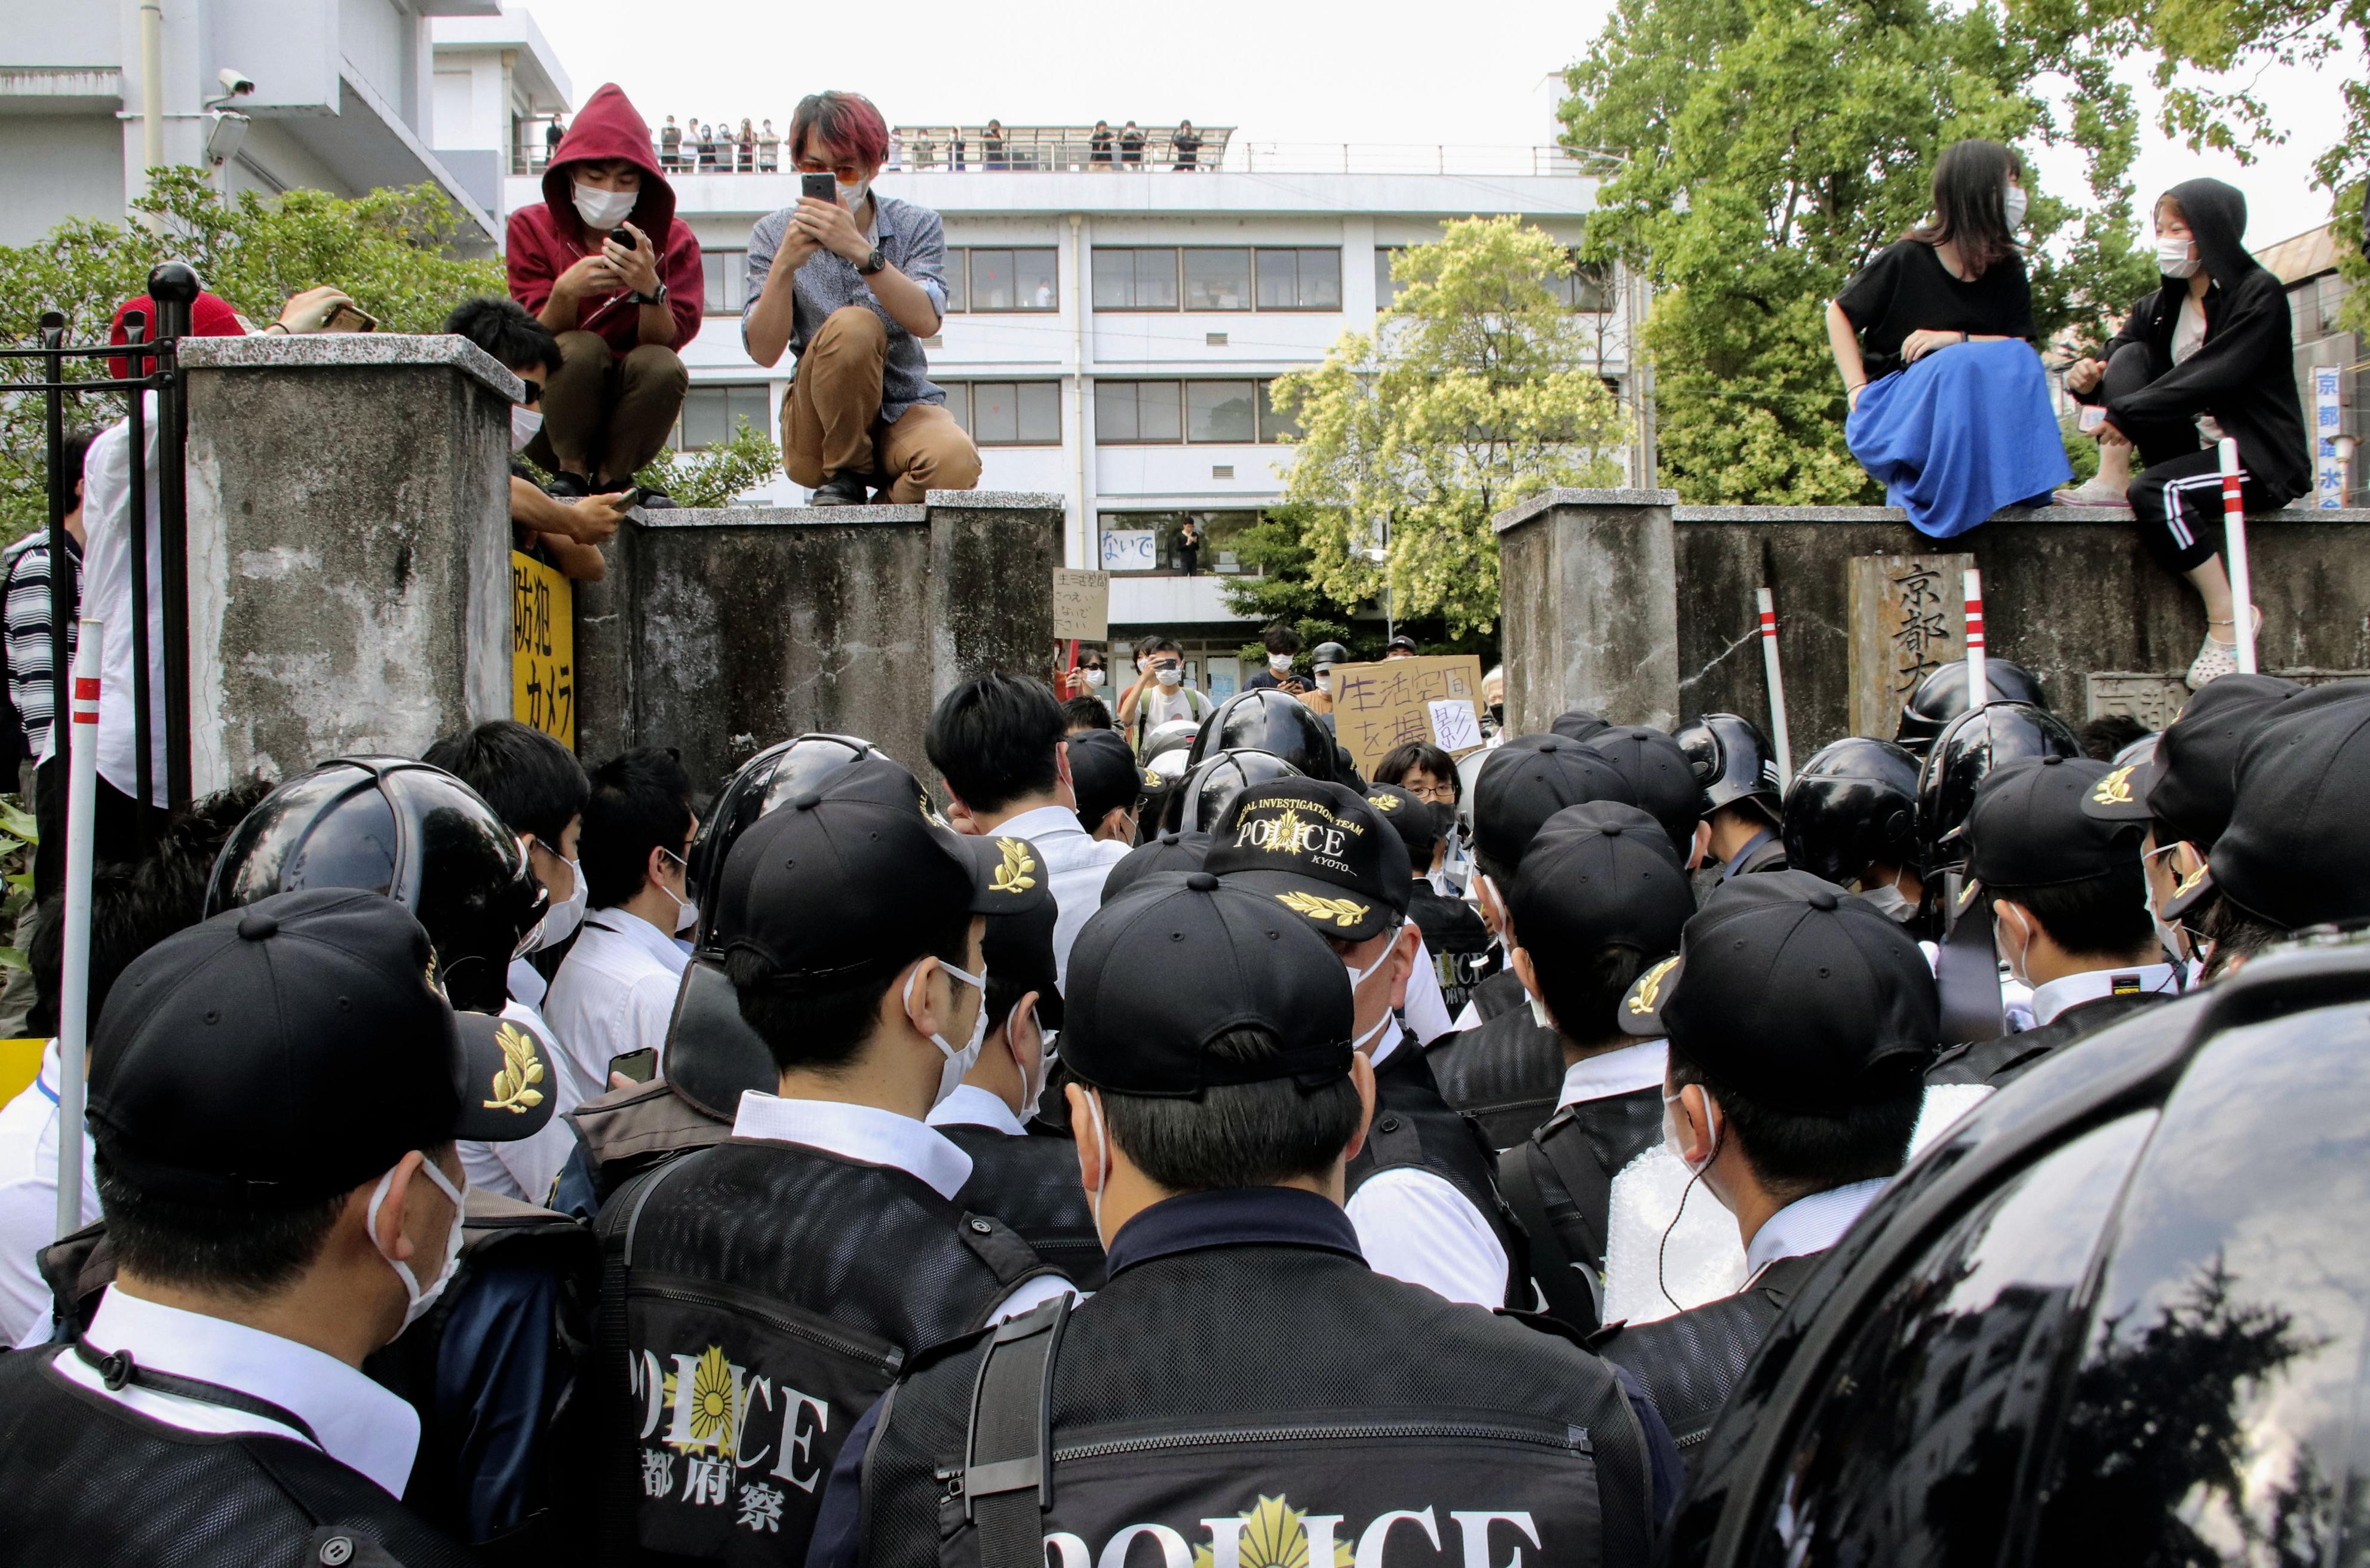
(74, 979)
(1777, 690)
(1978, 687)
(2234, 549)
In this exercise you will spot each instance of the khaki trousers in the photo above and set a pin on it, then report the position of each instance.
(606, 414)
(832, 424)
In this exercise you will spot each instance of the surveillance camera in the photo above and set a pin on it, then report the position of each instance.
(236, 84)
(225, 135)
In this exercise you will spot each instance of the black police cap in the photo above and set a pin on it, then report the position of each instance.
(1599, 876)
(1252, 964)
(1418, 821)
(1660, 775)
(1171, 853)
(2297, 849)
(293, 1049)
(1578, 724)
(2027, 827)
(1795, 993)
(2188, 784)
(846, 873)
(1103, 773)
(1318, 850)
(757, 786)
(1018, 951)
(1523, 783)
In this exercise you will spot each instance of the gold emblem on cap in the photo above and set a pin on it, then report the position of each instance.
(1343, 912)
(515, 1088)
(1015, 875)
(1646, 994)
(2116, 789)
(930, 813)
(1384, 802)
(2188, 883)
(1153, 780)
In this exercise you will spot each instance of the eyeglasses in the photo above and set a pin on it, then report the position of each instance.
(532, 396)
(1437, 793)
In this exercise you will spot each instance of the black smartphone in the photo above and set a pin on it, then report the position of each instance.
(822, 187)
(623, 236)
(641, 1066)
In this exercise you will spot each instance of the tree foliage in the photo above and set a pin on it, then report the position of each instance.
(1479, 387)
(1764, 150)
(391, 250)
(718, 475)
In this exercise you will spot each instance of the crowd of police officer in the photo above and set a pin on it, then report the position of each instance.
(950, 1230)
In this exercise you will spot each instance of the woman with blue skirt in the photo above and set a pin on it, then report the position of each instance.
(1935, 340)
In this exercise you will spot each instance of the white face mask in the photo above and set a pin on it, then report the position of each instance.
(2017, 202)
(417, 1301)
(1170, 676)
(2176, 258)
(2175, 941)
(1093, 677)
(851, 196)
(686, 910)
(1357, 979)
(1032, 1079)
(604, 210)
(1539, 1014)
(1889, 899)
(1676, 1141)
(561, 917)
(2003, 935)
(1279, 662)
(957, 1062)
(526, 423)
(1103, 1156)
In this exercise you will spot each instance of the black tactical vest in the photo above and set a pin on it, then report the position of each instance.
(1559, 1182)
(1258, 1404)
(1031, 1183)
(757, 1298)
(2003, 1059)
(1691, 1360)
(91, 1483)
(1505, 1074)
(627, 1131)
(1501, 993)
(1413, 1128)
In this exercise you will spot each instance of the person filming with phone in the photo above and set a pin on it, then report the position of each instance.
(850, 282)
(604, 264)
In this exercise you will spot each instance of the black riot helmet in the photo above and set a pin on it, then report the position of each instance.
(1165, 753)
(1197, 803)
(415, 833)
(1854, 803)
(1271, 721)
(1942, 696)
(761, 783)
(1968, 748)
(1325, 656)
(2116, 1315)
(1732, 760)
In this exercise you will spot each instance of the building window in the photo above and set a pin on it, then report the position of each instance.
(1217, 279)
(1131, 412)
(1222, 411)
(1146, 540)
(1386, 288)
(1273, 427)
(726, 273)
(1135, 278)
(711, 412)
(1231, 413)
(1001, 278)
(1007, 413)
(1587, 287)
(958, 287)
(1308, 278)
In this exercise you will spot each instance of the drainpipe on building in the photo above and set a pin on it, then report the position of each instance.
(1087, 558)
(152, 87)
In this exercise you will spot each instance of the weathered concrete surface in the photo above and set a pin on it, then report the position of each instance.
(721, 632)
(2067, 591)
(1585, 578)
(348, 547)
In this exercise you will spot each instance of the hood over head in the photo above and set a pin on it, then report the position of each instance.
(2217, 217)
(608, 126)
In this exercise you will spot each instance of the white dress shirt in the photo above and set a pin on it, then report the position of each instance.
(525, 1168)
(1810, 1224)
(2069, 990)
(970, 1106)
(1425, 1010)
(359, 1424)
(28, 1199)
(1075, 865)
(615, 991)
(1415, 1225)
(107, 596)
(1623, 1071)
(876, 1137)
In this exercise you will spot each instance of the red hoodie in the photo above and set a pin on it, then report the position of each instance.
(547, 240)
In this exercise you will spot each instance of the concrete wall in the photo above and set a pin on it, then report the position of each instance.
(721, 632)
(2067, 591)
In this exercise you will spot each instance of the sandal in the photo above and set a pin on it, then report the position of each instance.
(2218, 659)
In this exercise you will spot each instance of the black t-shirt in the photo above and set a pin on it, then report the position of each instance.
(1906, 289)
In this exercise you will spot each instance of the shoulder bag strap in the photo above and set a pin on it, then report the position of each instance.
(1572, 1157)
(117, 1368)
(1007, 1478)
(621, 1504)
(1570, 1287)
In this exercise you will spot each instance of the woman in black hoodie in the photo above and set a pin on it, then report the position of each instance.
(2208, 355)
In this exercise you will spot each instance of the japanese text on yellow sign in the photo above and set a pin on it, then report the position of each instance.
(1379, 706)
(543, 649)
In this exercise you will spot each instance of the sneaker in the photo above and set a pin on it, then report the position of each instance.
(2217, 658)
(840, 490)
(2089, 493)
(655, 500)
(569, 486)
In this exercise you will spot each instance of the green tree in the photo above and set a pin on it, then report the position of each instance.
(392, 250)
(1762, 151)
(1479, 387)
(717, 475)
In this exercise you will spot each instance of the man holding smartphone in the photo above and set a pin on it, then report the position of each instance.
(850, 282)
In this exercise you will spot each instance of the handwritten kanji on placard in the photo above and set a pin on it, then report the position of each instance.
(1380, 706)
(1455, 725)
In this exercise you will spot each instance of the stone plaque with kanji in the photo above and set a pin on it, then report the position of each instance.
(1908, 615)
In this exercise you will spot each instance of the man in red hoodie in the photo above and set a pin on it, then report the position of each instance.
(620, 311)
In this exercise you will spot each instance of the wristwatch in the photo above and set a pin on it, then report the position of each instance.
(656, 297)
(871, 264)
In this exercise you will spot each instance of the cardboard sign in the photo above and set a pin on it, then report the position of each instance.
(1130, 550)
(1379, 706)
(1081, 605)
(1908, 618)
(543, 649)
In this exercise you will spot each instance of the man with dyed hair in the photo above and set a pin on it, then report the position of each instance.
(850, 287)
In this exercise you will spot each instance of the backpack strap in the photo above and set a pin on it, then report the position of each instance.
(620, 1539)
(1007, 1478)
(1569, 1286)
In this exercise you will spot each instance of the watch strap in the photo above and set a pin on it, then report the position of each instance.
(872, 264)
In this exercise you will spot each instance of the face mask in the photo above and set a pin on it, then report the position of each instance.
(524, 425)
(2015, 959)
(957, 1062)
(417, 1301)
(1322, 671)
(2173, 939)
(1497, 713)
(2173, 258)
(1357, 979)
(1093, 677)
(561, 919)
(604, 210)
(2016, 201)
(1033, 1081)
(1170, 676)
(1889, 899)
(1676, 1141)
(851, 196)
(1102, 1157)
(1539, 1014)
(1279, 662)
(686, 910)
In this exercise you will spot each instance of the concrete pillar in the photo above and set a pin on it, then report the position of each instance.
(348, 547)
(1589, 617)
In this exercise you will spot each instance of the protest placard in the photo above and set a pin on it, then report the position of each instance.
(1378, 707)
(1081, 605)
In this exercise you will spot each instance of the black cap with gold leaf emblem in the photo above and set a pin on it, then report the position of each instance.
(2187, 783)
(838, 881)
(1319, 850)
(293, 1049)
(1416, 820)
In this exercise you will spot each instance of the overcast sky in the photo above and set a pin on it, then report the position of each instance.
(1481, 73)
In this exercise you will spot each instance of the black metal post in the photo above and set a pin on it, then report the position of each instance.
(174, 287)
(63, 607)
(135, 327)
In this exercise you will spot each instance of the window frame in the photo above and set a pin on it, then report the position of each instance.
(1261, 409)
(967, 415)
(1251, 297)
(958, 268)
(727, 278)
(1296, 252)
(1250, 279)
(677, 439)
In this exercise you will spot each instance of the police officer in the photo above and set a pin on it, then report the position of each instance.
(1742, 796)
(2068, 911)
(275, 1095)
(1450, 931)
(795, 1267)
(1664, 780)
(1600, 898)
(1027, 1178)
(1419, 1192)
(1172, 852)
(1244, 1384)
(1800, 1020)
(1851, 817)
(1941, 696)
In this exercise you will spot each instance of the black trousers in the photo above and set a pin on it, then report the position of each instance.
(117, 840)
(2177, 499)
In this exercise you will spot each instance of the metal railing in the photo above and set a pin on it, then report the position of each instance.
(943, 149)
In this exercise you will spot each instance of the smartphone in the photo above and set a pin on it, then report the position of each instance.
(623, 236)
(822, 187)
(2092, 416)
(641, 1066)
(351, 318)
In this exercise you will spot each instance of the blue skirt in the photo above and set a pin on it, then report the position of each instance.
(1964, 432)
